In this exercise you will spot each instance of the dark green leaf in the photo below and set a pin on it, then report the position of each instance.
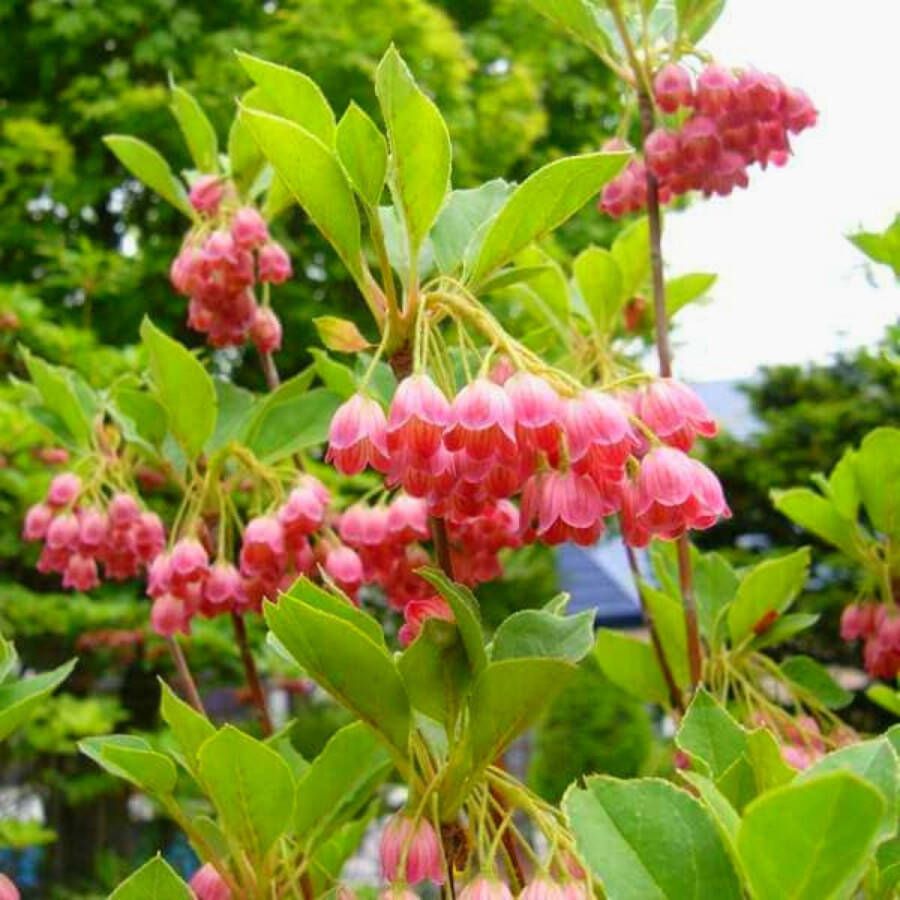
(536, 632)
(812, 677)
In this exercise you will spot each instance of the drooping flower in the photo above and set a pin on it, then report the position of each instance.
(417, 418)
(357, 437)
(538, 411)
(672, 88)
(416, 843)
(674, 413)
(206, 193)
(208, 884)
(64, 488)
(483, 887)
(417, 611)
(483, 422)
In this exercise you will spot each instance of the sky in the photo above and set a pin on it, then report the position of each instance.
(791, 288)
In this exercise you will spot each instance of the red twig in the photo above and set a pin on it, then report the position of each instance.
(184, 673)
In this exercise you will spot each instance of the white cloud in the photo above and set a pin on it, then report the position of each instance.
(791, 287)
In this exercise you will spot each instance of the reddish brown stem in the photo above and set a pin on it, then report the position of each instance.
(441, 541)
(664, 353)
(270, 370)
(251, 674)
(674, 692)
(189, 686)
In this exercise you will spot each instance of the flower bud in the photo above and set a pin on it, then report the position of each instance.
(266, 330)
(37, 520)
(206, 193)
(168, 616)
(64, 488)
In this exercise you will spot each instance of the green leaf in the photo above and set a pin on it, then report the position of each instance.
(507, 697)
(887, 699)
(20, 698)
(236, 407)
(336, 376)
(875, 762)
(184, 388)
(783, 629)
(339, 782)
(462, 215)
(686, 289)
(245, 161)
(315, 178)
(696, 17)
(465, 611)
(420, 147)
(811, 840)
(888, 860)
(59, 393)
(250, 786)
(304, 591)
(198, 131)
(348, 664)
(9, 658)
(514, 275)
(133, 759)
(328, 861)
(814, 678)
(668, 619)
(883, 247)
(436, 672)
(362, 150)
(599, 281)
(537, 633)
(155, 880)
(289, 420)
(148, 166)
(715, 585)
(820, 516)
(580, 19)
(141, 417)
(648, 840)
(631, 664)
(878, 476)
(723, 813)
(189, 728)
(769, 586)
(842, 487)
(709, 734)
(631, 250)
(293, 96)
(541, 203)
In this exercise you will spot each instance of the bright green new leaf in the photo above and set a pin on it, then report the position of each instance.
(599, 281)
(198, 131)
(312, 173)
(340, 335)
(668, 619)
(60, 394)
(133, 759)
(462, 215)
(686, 289)
(420, 147)
(363, 152)
(631, 664)
(465, 610)
(339, 782)
(183, 387)
(769, 586)
(189, 728)
(814, 678)
(580, 19)
(353, 668)
(536, 632)
(648, 840)
(337, 377)
(883, 247)
(842, 487)
(819, 516)
(20, 697)
(783, 629)
(293, 96)
(545, 200)
(888, 699)
(148, 166)
(155, 880)
(236, 407)
(874, 761)
(507, 697)
(250, 786)
(878, 476)
(811, 840)
(631, 250)
(696, 17)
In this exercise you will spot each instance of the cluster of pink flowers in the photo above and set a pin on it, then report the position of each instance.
(879, 629)
(78, 539)
(411, 854)
(275, 551)
(736, 119)
(573, 461)
(218, 265)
